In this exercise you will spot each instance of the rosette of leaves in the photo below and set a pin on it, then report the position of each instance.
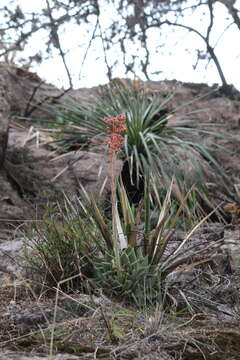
(139, 272)
(77, 243)
(152, 142)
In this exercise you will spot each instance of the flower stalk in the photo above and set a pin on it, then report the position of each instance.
(115, 127)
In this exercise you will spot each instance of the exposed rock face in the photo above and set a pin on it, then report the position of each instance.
(24, 91)
(35, 175)
(29, 176)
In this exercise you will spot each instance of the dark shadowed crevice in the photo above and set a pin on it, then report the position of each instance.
(135, 190)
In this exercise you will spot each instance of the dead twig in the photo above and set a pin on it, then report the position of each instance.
(57, 44)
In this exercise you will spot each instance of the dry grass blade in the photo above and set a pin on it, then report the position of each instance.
(53, 326)
(170, 267)
(125, 206)
(171, 229)
(190, 234)
(102, 225)
(96, 216)
(163, 218)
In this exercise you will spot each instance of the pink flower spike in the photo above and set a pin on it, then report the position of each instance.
(116, 126)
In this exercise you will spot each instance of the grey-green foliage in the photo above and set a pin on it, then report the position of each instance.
(152, 142)
(77, 243)
(59, 246)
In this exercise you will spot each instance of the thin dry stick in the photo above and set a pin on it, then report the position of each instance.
(113, 159)
(55, 312)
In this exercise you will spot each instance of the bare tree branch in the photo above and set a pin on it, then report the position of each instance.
(210, 49)
(232, 11)
(88, 47)
(109, 68)
(50, 99)
(57, 44)
(132, 23)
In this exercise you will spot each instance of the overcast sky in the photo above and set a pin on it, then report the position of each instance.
(171, 62)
